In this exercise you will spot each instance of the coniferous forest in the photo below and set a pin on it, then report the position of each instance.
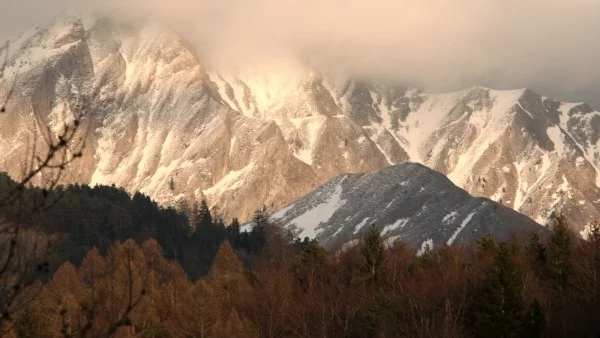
(119, 265)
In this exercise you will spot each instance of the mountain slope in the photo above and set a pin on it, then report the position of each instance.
(533, 154)
(162, 123)
(408, 202)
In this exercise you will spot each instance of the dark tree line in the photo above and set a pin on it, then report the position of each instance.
(83, 217)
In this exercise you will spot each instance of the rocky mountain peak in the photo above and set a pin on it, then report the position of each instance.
(274, 132)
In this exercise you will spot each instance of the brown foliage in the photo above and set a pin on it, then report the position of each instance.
(135, 291)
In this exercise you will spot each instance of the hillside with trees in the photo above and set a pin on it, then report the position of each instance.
(546, 286)
(79, 218)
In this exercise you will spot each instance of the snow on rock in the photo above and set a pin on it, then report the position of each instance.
(309, 221)
(361, 224)
(398, 224)
(339, 211)
(460, 228)
(426, 246)
(233, 180)
(555, 135)
(450, 217)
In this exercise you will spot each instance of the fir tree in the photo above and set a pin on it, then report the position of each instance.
(258, 235)
(499, 303)
(536, 253)
(534, 321)
(233, 233)
(204, 217)
(373, 254)
(559, 254)
(312, 265)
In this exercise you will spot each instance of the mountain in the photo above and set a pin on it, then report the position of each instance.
(163, 123)
(407, 202)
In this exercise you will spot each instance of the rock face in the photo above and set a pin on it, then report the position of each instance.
(407, 202)
(161, 123)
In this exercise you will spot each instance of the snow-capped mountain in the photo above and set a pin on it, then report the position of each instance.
(407, 202)
(162, 123)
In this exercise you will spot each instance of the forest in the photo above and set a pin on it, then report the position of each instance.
(121, 266)
(82, 217)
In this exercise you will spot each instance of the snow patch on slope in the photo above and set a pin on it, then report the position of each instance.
(233, 180)
(398, 224)
(360, 225)
(310, 220)
(450, 217)
(555, 135)
(461, 227)
(422, 123)
(309, 129)
(425, 247)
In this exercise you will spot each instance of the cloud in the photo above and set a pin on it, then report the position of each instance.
(549, 45)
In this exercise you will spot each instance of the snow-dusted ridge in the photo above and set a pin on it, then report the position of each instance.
(423, 207)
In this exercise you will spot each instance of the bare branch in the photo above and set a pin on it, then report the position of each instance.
(62, 150)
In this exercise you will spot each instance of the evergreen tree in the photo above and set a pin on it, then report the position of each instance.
(206, 238)
(312, 265)
(373, 254)
(535, 322)
(233, 233)
(258, 235)
(559, 262)
(499, 302)
(536, 253)
(194, 214)
(204, 217)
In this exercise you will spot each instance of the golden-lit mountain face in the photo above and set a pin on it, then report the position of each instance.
(161, 122)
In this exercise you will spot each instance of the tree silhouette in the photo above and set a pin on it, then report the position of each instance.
(499, 310)
(374, 254)
(559, 258)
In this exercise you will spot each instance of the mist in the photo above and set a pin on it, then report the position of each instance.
(550, 46)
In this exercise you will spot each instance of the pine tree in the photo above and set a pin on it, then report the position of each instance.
(373, 253)
(535, 321)
(204, 217)
(536, 253)
(559, 262)
(499, 302)
(312, 265)
(194, 216)
(233, 233)
(258, 235)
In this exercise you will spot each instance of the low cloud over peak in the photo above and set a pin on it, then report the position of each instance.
(440, 45)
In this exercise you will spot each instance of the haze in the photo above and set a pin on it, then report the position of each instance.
(439, 45)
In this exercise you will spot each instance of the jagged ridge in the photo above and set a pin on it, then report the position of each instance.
(266, 136)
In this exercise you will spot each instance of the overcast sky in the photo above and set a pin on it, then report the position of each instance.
(551, 46)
